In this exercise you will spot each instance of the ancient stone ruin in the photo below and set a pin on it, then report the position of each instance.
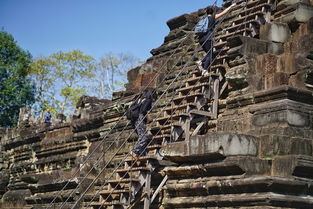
(240, 137)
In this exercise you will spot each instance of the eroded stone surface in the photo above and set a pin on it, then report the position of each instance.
(256, 154)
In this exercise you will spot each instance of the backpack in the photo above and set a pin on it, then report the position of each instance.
(202, 26)
(133, 111)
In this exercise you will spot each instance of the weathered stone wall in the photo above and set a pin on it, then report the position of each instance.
(261, 155)
(256, 154)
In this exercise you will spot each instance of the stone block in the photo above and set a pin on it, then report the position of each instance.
(212, 146)
(16, 195)
(293, 166)
(181, 20)
(253, 46)
(281, 115)
(276, 32)
(237, 77)
(275, 80)
(273, 145)
(301, 14)
(266, 64)
(292, 2)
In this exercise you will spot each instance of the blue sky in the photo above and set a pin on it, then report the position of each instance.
(96, 27)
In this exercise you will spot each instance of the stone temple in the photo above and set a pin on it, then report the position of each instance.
(239, 137)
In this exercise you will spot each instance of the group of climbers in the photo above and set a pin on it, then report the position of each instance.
(138, 110)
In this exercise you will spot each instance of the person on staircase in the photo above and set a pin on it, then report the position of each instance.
(205, 38)
(137, 114)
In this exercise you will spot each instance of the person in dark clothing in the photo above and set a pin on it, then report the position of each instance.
(205, 39)
(47, 118)
(145, 104)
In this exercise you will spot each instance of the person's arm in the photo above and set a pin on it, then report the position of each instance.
(219, 15)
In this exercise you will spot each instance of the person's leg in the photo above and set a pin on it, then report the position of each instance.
(206, 44)
(142, 142)
(208, 58)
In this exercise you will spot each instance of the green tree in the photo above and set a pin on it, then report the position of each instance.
(16, 89)
(111, 73)
(41, 71)
(62, 79)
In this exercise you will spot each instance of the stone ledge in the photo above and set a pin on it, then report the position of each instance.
(243, 199)
(293, 113)
(217, 145)
(231, 166)
(295, 166)
(274, 94)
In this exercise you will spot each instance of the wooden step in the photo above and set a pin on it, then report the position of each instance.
(188, 97)
(168, 119)
(161, 137)
(251, 16)
(253, 9)
(165, 127)
(114, 191)
(180, 107)
(237, 32)
(285, 11)
(199, 78)
(154, 147)
(219, 44)
(123, 181)
(242, 25)
(192, 88)
(141, 158)
(203, 113)
(135, 169)
(103, 204)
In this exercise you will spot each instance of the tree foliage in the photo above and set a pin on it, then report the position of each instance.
(111, 73)
(16, 89)
(62, 79)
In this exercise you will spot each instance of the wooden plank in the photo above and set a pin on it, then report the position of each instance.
(215, 97)
(147, 191)
(159, 189)
(201, 112)
(224, 87)
(195, 132)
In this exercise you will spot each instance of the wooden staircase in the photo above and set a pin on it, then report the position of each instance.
(195, 104)
(130, 182)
